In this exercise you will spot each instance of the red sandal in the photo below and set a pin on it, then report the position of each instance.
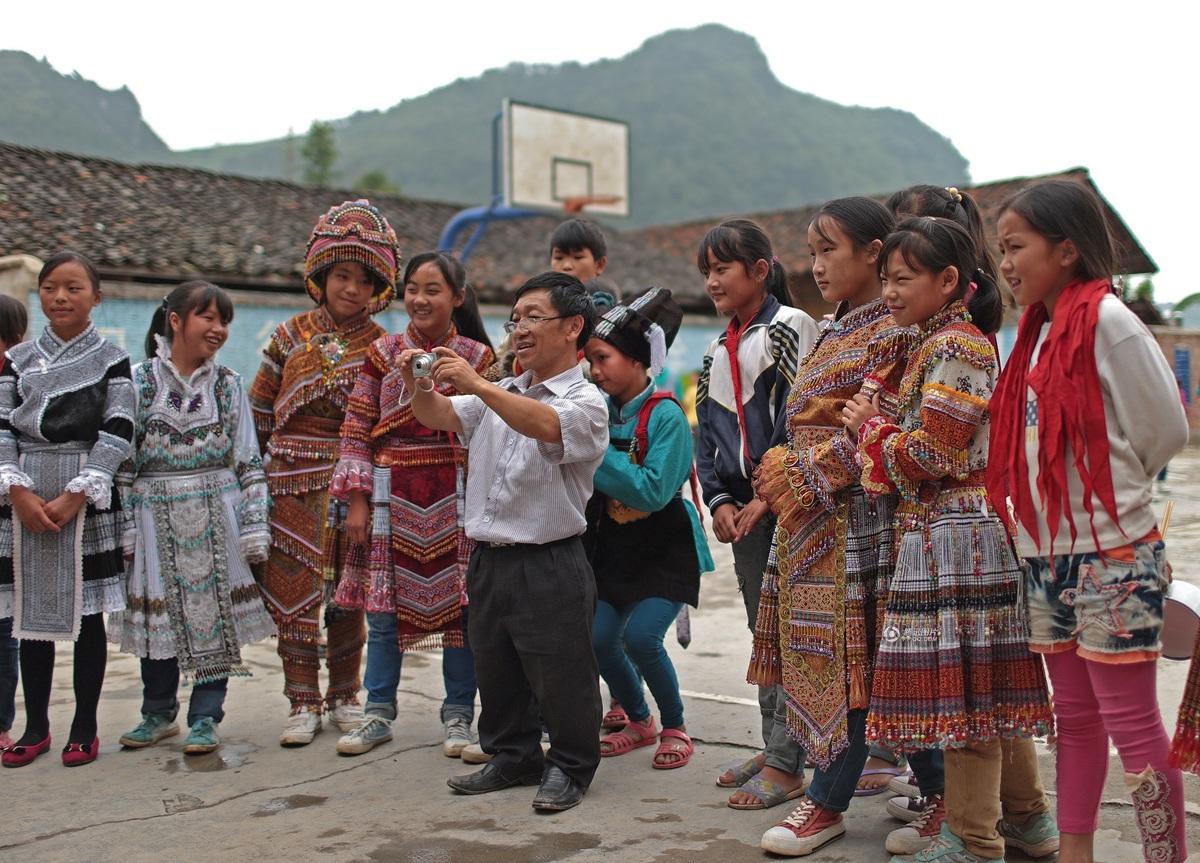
(621, 743)
(672, 741)
(615, 719)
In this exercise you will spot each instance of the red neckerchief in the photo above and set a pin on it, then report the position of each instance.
(733, 337)
(1070, 411)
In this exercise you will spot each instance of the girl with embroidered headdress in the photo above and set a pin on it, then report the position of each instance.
(66, 423)
(830, 563)
(953, 669)
(1086, 414)
(196, 509)
(644, 541)
(299, 401)
(402, 488)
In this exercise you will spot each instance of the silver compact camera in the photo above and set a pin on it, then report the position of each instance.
(422, 365)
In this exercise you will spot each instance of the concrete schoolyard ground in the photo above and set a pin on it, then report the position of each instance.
(254, 801)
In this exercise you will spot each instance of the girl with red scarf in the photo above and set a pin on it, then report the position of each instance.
(1086, 413)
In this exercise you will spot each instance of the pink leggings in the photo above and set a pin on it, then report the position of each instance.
(1094, 701)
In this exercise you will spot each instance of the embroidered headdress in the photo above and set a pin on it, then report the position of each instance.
(356, 232)
(644, 328)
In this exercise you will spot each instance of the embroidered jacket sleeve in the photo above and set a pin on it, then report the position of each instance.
(650, 486)
(114, 442)
(794, 480)
(353, 470)
(265, 389)
(951, 408)
(254, 510)
(10, 470)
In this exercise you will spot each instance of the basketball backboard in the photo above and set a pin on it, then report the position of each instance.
(563, 160)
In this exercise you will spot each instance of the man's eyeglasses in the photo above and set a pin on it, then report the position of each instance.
(526, 323)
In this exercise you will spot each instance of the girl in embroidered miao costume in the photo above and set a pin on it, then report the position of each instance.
(299, 402)
(404, 485)
(66, 422)
(830, 564)
(196, 506)
(644, 541)
(1028, 824)
(954, 668)
(1086, 414)
(14, 320)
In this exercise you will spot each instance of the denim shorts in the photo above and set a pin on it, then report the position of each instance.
(1107, 606)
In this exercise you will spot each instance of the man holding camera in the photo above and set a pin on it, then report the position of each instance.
(535, 442)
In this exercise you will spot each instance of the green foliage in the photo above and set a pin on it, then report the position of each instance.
(1145, 290)
(376, 181)
(41, 108)
(319, 153)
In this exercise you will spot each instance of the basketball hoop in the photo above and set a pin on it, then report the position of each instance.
(576, 203)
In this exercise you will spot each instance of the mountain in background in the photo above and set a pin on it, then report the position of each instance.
(41, 108)
(713, 132)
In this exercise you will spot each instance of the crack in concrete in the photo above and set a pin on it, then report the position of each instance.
(358, 763)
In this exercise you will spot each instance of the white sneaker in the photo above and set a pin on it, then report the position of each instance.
(346, 717)
(373, 731)
(301, 728)
(473, 753)
(458, 736)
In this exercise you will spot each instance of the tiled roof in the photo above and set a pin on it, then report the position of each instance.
(166, 223)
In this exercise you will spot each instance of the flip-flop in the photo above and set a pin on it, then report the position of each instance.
(894, 770)
(743, 772)
(672, 741)
(768, 793)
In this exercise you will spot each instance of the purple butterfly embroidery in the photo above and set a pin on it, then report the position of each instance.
(176, 399)
(194, 404)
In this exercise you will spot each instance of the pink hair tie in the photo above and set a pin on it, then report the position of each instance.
(971, 289)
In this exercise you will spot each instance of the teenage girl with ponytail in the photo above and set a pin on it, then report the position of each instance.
(954, 669)
(1087, 412)
(740, 397)
(196, 507)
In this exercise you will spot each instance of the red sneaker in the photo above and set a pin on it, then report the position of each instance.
(804, 831)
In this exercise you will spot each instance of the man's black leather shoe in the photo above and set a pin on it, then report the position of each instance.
(558, 791)
(488, 779)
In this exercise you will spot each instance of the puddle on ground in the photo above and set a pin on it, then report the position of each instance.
(226, 756)
(661, 818)
(451, 826)
(545, 848)
(716, 851)
(711, 655)
(282, 804)
(656, 799)
(329, 834)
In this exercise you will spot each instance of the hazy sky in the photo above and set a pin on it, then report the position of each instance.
(1021, 88)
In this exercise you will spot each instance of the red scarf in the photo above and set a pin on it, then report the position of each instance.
(1070, 412)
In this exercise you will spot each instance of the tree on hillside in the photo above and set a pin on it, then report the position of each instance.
(376, 181)
(319, 153)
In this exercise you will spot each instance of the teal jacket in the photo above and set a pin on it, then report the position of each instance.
(668, 463)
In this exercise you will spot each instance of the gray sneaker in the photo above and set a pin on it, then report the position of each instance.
(373, 731)
(1038, 838)
(946, 848)
(458, 736)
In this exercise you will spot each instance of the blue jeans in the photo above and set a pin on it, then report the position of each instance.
(384, 658)
(8, 674)
(160, 686)
(635, 633)
(928, 766)
(834, 788)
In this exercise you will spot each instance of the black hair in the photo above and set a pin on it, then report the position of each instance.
(61, 258)
(14, 320)
(466, 317)
(575, 234)
(321, 276)
(1061, 210)
(948, 203)
(747, 243)
(569, 298)
(932, 244)
(863, 220)
(195, 296)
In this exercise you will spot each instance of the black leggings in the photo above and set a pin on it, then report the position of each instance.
(37, 675)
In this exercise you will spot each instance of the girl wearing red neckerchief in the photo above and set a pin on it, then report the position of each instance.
(1086, 413)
